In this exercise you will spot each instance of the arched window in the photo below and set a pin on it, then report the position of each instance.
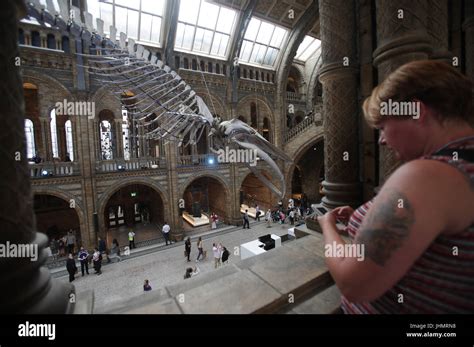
(194, 64)
(51, 41)
(35, 39)
(186, 63)
(30, 139)
(69, 142)
(209, 67)
(251, 74)
(65, 44)
(158, 55)
(245, 73)
(268, 77)
(218, 69)
(202, 66)
(176, 63)
(224, 70)
(253, 115)
(106, 140)
(54, 134)
(21, 37)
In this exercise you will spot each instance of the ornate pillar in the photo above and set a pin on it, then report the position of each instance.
(438, 30)
(339, 77)
(96, 134)
(45, 137)
(468, 28)
(26, 285)
(235, 217)
(75, 143)
(401, 37)
(118, 138)
(176, 222)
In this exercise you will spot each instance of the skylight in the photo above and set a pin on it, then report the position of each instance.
(262, 43)
(139, 19)
(204, 28)
(307, 48)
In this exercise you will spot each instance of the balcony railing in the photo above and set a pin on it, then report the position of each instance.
(303, 125)
(200, 159)
(50, 169)
(291, 96)
(130, 165)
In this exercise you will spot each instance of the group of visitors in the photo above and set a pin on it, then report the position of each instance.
(86, 259)
(63, 246)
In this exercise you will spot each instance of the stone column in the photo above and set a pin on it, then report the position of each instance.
(438, 30)
(401, 37)
(118, 138)
(176, 222)
(235, 217)
(26, 285)
(339, 77)
(45, 130)
(468, 28)
(75, 142)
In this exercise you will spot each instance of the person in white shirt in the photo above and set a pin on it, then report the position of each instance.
(166, 233)
(268, 218)
(217, 256)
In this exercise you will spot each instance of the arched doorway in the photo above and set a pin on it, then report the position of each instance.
(55, 217)
(203, 196)
(253, 192)
(134, 206)
(308, 174)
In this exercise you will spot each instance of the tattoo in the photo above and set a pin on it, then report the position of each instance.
(386, 227)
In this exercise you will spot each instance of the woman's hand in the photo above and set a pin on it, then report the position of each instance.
(343, 213)
(328, 218)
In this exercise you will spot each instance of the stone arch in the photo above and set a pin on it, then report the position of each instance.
(219, 178)
(41, 80)
(213, 102)
(290, 169)
(312, 83)
(67, 196)
(305, 23)
(269, 198)
(214, 175)
(295, 80)
(104, 198)
(104, 99)
(264, 110)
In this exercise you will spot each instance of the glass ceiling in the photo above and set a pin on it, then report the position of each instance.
(262, 43)
(204, 28)
(307, 48)
(139, 19)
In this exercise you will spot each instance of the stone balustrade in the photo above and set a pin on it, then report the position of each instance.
(301, 127)
(130, 165)
(49, 169)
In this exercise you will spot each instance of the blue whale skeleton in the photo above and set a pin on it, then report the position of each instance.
(162, 102)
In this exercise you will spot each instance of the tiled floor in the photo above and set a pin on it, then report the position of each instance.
(123, 280)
